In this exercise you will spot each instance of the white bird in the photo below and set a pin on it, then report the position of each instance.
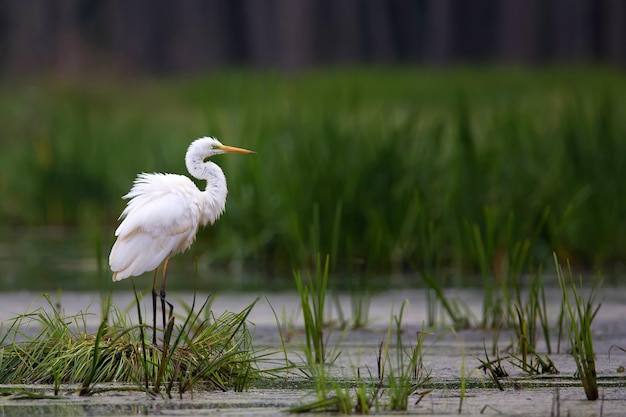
(163, 214)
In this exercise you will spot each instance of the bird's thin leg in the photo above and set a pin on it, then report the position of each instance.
(154, 306)
(162, 294)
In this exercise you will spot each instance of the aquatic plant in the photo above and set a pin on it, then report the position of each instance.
(400, 373)
(578, 314)
(211, 354)
(458, 313)
(408, 374)
(493, 368)
(312, 301)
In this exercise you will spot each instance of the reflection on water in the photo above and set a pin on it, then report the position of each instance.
(266, 402)
(140, 406)
(47, 259)
(50, 259)
(75, 409)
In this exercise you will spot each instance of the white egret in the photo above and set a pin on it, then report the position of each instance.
(163, 214)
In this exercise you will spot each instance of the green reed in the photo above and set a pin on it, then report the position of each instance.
(312, 293)
(578, 314)
(408, 374)
(356, 163)
(215, 354)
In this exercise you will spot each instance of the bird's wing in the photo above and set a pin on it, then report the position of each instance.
(161, 219)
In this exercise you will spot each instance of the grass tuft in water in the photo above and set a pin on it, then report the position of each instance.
(400, 373)
(578, 313)
(409, 373)
(312, 300)
(46, 347)
(493, 368)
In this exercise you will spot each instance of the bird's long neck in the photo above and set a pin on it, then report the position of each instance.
(214, 196)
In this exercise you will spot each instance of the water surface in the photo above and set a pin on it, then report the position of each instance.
(446, 352)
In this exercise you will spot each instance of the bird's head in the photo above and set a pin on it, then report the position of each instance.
(207, 147)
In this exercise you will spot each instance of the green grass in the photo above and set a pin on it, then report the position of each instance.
(401, 371)
(408, 374)
(369, 165)
(578, 314)
(400, 374)
(312, 292)
(214, 353)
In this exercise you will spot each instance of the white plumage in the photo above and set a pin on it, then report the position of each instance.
(164, 212)
(160, 220)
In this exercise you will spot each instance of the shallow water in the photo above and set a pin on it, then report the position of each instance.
(50, 258)
(445, 353)
(478, 402)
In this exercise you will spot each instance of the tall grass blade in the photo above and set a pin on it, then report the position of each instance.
(577, 320)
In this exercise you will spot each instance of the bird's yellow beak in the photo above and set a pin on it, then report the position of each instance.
(233, 149)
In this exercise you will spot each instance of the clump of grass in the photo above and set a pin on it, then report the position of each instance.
(531, 316)
(331, 394)
(531, 364)
(534, 364)
(503, 256)
(47, 347)
(409, 373)
(493, 368)
(312, 301)
(400, 373)
(578, 313)
(340, 402)
(340, 396)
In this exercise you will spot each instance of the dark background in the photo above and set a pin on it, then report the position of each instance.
(73, 37)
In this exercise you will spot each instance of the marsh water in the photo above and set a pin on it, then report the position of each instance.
(446, 353)
(54, 259)
(51, 259)
(73, 274)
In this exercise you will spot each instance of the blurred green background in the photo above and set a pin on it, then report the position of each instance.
(392, 169)
(383, 169)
